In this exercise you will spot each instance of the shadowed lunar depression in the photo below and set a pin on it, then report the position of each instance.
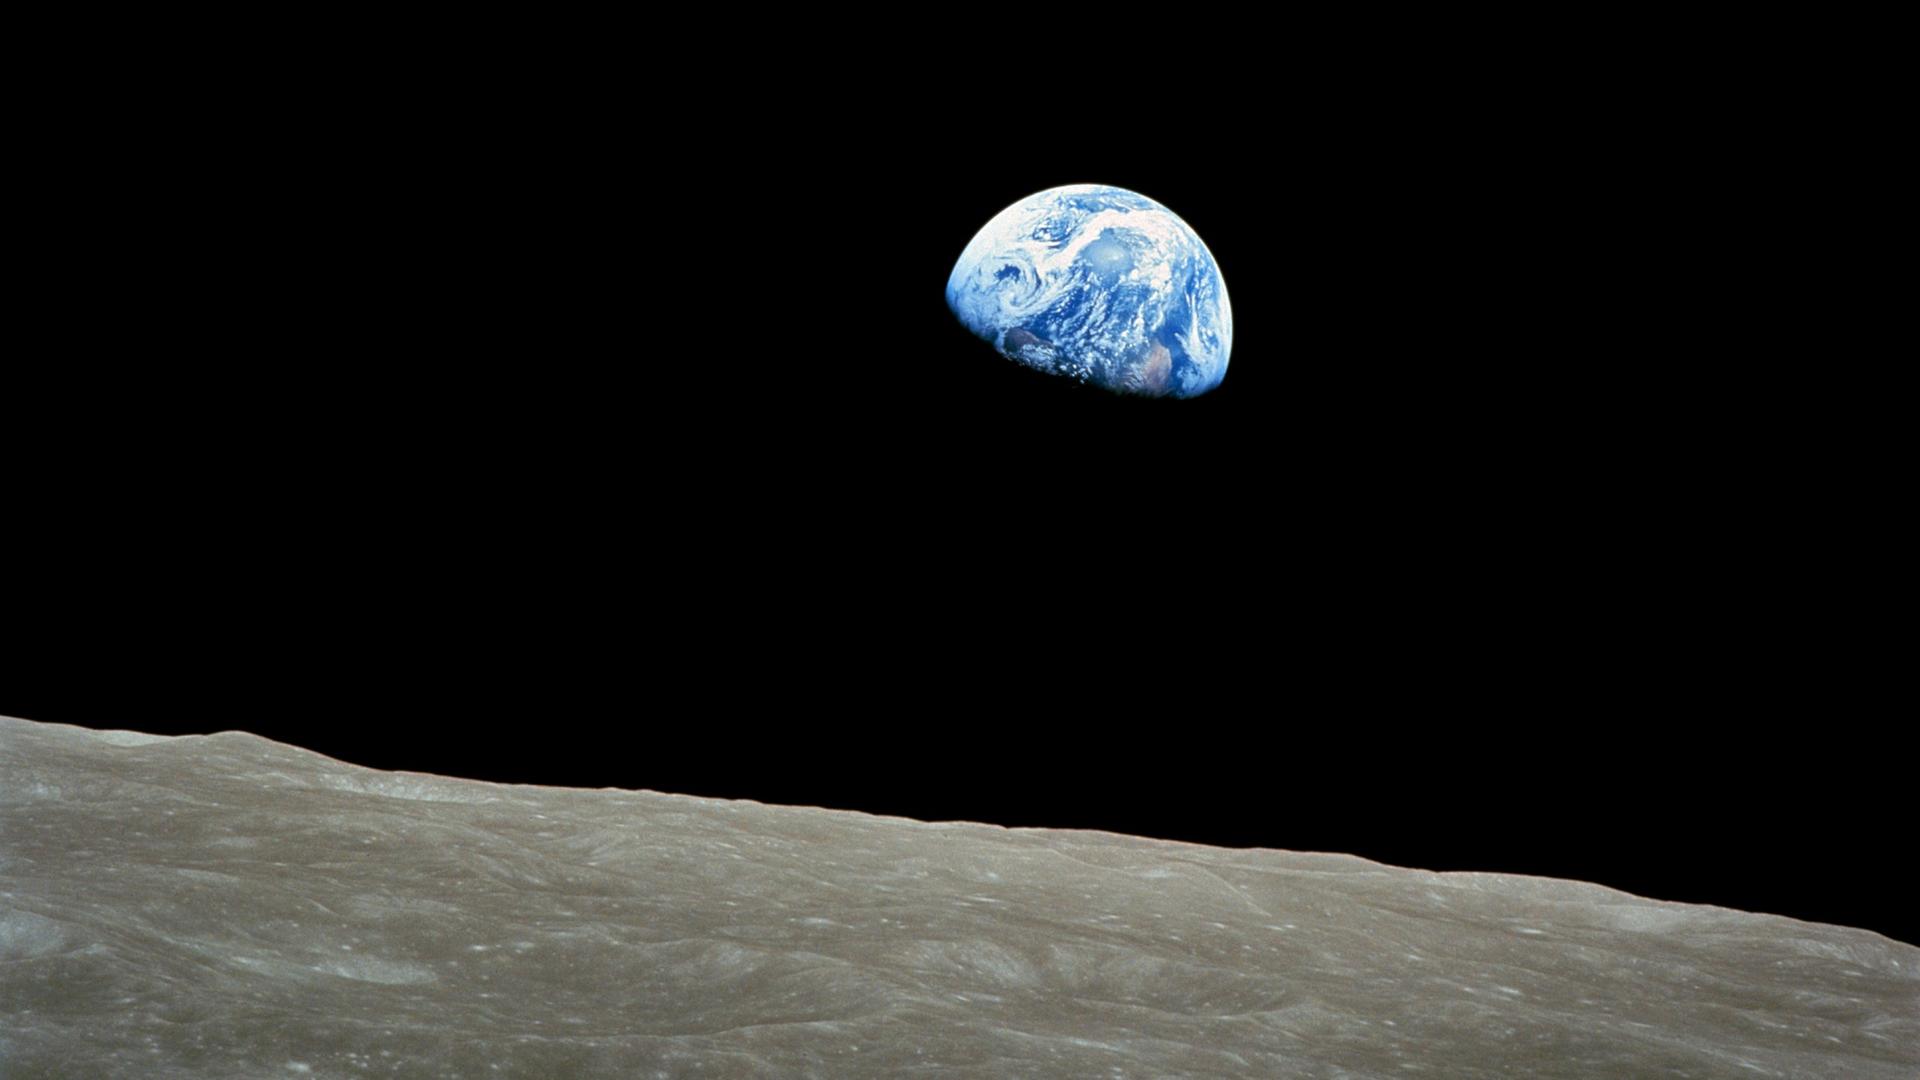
(227, 906)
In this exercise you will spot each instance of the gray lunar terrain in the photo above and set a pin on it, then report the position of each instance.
(227, 906)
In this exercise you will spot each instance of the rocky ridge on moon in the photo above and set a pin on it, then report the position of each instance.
(227, 906)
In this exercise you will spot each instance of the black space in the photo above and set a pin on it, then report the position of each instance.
(597, 436)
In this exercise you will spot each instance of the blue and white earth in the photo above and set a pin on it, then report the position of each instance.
(1101, 285)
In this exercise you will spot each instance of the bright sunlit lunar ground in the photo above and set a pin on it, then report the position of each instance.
(226, 906)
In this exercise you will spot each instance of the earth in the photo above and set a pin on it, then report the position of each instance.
(1101, 285)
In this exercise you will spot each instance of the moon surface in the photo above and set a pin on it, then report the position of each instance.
(227, 906)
